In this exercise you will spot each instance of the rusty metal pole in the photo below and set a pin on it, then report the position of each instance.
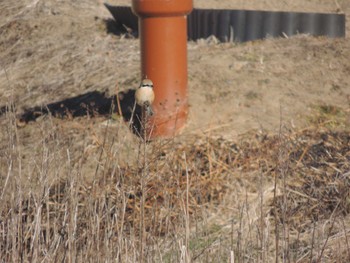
(163, 36)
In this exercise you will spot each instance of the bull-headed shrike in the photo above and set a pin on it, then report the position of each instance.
(144, 96)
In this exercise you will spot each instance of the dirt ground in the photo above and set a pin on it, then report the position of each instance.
(51, 51)
(55, 50)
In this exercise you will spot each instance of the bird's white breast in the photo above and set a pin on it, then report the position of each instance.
(144, 95)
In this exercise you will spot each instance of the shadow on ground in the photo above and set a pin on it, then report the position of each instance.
(92, 104)
(125, 22)
(113, 27)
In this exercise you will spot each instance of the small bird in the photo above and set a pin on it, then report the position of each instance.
(144, 96)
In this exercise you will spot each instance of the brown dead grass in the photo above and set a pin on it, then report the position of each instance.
(189, 180)
(71, 188)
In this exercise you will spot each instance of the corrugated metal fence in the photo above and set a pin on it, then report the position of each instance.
(247, 25)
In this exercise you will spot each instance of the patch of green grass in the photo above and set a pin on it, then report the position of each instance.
(202, 241)
(262, 82)
(330, 116)
(199, 243)
(252, 95)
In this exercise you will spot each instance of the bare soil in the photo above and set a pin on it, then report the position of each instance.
(52, 51)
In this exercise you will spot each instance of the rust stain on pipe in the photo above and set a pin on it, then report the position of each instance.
(163, 36)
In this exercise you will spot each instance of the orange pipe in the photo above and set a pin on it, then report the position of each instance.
(163, 36)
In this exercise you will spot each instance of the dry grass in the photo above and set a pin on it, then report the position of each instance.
(52, 51)
(203, 199)
(74, 190)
